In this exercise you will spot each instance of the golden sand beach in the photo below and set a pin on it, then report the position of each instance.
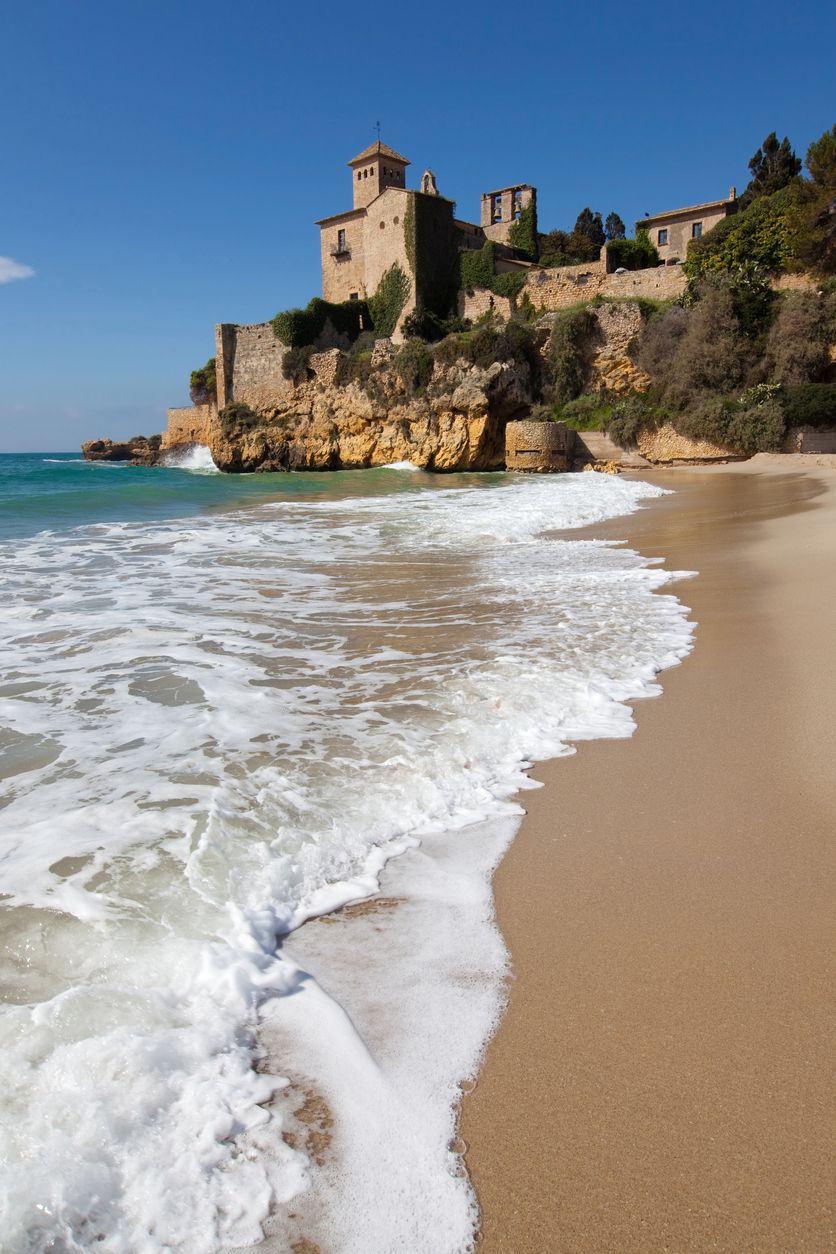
(661, 1080)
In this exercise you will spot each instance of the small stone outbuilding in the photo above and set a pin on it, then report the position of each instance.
(539, 447)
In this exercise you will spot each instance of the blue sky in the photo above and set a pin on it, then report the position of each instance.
(164, 162)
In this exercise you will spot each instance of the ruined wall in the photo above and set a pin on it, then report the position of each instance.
(193, 424)
(481, 301)
(248, 364)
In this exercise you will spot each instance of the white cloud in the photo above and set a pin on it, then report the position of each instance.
(10, 270)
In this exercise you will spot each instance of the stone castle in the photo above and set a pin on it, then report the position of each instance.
(358, 246)
(324, 422)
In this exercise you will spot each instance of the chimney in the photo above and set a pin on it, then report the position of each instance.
(732, 193)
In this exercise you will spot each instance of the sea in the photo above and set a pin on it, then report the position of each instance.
(263, 740)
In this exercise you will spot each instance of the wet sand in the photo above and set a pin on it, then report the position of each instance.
(662, 1077)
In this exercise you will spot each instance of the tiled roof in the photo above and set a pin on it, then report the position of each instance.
(377, 149)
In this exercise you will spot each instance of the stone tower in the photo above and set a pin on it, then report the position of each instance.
(374, 169)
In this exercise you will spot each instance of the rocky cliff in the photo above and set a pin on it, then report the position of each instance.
(456, 421)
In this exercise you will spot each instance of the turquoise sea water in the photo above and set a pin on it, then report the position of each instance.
(57, 491)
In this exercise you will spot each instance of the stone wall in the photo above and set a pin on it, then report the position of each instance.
(343, 272)
(809, 440)
(193, 424)
(562, 286)
(658, 283)
(795, 283)
(385, 242)
(666, 445)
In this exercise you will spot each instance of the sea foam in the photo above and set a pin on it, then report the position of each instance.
(214, 729)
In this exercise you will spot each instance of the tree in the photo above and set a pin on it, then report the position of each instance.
(587, 236)
(772, 167)
(614, 228)
(821, 159)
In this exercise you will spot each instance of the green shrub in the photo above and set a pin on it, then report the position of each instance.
(568, 353)
(203, 384)
(355, 366)
(809, 405)
(386, 306)
(423, 325)
(761, 234)
(414, 366)
(489, 343)
(632, 254)
(237, 416)
(295, 363)
(631, 415)
(509, 284)
(297, 327)
(591, 412)
(711, 355)
(797, 348)
(740, 425)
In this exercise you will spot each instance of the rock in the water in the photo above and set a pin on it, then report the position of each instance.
(140, 450)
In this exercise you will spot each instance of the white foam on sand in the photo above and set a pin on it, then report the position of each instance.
(213, 730)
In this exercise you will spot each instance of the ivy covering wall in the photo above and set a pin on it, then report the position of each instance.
(476, 269)
(522, 235)
(387, 304)
(432, 252)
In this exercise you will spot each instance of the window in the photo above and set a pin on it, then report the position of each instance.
(353, 296)
(663, 237)
(365, 174)
(359, 175)
(340, 241)
(696, 230)
(396, 221)
(382, 225)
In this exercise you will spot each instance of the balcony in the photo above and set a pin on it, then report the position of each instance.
(340, 250)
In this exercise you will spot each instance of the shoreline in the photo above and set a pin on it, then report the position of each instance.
(657, 1081)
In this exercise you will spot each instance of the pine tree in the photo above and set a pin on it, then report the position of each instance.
(772, 167)
(614, 228)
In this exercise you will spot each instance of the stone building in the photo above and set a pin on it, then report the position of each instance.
(358, 246)
(673, 231)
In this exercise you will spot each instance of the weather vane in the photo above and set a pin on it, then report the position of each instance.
(377, 128)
